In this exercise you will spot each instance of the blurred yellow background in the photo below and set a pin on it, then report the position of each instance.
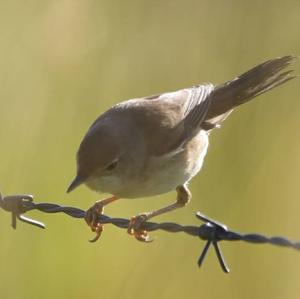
(62, 63)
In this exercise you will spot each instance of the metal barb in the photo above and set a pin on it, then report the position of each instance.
(220, 257)
(210, 231)
(16, 204)
(204, 253)
(31, 221)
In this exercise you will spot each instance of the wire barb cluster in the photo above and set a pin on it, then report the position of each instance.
(210, 231)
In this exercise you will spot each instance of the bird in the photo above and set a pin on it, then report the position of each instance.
(152, 145)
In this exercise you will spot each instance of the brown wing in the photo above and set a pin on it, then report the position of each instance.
(169, 120)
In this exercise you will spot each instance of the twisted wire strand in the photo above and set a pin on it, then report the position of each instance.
(210, 231)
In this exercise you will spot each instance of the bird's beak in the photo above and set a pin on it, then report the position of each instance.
(75, 183)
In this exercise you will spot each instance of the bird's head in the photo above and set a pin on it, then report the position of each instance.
(98, 156)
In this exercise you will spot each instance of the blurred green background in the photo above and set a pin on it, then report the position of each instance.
(62, 63)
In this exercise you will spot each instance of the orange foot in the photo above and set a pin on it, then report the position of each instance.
(92, 216)
(135, 228)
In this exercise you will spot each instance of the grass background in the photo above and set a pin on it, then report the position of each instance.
(62, 63)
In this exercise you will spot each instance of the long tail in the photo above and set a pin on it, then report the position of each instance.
(247, 86)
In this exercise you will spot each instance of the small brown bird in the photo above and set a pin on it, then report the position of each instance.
(156, 144)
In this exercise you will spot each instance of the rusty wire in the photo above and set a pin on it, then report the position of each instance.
(210, 231)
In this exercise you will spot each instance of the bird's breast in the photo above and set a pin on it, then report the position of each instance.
(164, 173)
(160, 174)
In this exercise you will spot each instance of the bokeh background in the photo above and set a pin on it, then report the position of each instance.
(64, 62)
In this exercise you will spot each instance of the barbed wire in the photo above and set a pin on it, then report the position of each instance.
(210, 231)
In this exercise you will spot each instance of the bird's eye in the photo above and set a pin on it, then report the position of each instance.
(112, 165)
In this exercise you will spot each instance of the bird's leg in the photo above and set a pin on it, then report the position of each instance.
(92, 215)
(135, 225)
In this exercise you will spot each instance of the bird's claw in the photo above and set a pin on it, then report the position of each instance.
(135, 228)
(98, 230)
(92, 219)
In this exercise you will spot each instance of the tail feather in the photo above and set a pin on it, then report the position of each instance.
(247, 86)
